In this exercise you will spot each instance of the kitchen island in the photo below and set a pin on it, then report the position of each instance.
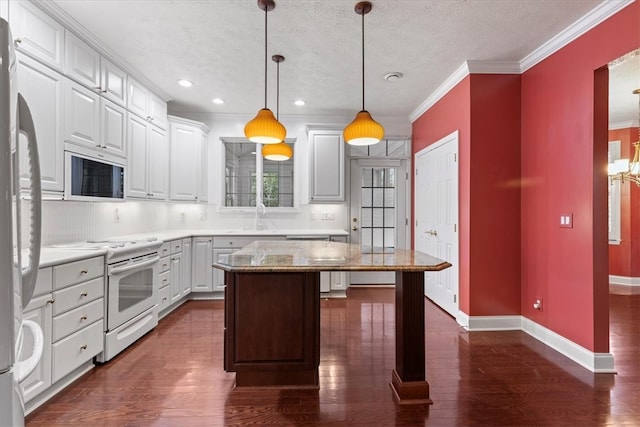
(272, 311)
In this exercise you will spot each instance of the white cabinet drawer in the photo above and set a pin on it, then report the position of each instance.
(176, 246)
(76, 349)
(75, 296)
(165, 249)
(164, 278)
(165, 264)
(164, 298)
(77, 319)
(239, 242)
(76, 272)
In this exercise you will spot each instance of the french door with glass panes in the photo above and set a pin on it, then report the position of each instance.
(378, 211)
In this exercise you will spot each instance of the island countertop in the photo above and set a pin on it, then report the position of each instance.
(309, 256)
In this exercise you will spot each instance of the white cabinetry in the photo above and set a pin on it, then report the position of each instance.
(185, 278)
(113, 82)
(37, 34)
(164, 278)
(326, 177)
(78, 312)
(42, 88)
(176, 267)
(146, 105)
(147, 158)
(174, 280)
(81, 62)
(188, 147)
(40, 311)
(202, 274)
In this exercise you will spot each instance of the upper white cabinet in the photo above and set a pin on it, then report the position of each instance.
(81, 62)
(186, 166)
(37, 34)
(145, 104)
(147, 157)
(326, 175)
(113, 128)
(113, 84)
(43, 90)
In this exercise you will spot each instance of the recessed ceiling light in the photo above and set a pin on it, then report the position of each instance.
(218, 101)
(393, 76)
(299, 102)
(185, 83)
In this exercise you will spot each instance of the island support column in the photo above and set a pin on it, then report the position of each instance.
(408, 380)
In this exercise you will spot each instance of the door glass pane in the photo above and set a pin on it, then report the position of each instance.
(378, 213)
(134, 288)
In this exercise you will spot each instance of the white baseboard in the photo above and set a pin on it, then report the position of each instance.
(594, 362)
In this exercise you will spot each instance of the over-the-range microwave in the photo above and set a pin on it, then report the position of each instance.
(93, 176)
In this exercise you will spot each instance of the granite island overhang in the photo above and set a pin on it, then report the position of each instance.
(272, 311)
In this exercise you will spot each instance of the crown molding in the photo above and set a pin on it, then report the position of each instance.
(493, 67)
(624, 125)
(188, 122)
(596, 16)
(70, 24)
(456, 77)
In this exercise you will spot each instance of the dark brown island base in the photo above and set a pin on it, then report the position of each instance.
(272, 312)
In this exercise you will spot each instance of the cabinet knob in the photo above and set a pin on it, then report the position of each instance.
(51, 301)
(84, 347)
(84, 271)
(18, 40)
(83, 318)
(84, 294)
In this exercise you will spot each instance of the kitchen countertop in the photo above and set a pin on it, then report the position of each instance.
(283, 256)
(52, 255)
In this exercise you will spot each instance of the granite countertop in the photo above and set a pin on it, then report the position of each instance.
(282, 256)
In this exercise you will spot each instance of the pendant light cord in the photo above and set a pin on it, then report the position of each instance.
(278, 90)
(266, 11)
(363, 60)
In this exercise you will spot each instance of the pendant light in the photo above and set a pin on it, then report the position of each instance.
(264, 128)
(280, 151)
(363, 130)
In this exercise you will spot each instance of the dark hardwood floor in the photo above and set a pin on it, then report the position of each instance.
(174, 376)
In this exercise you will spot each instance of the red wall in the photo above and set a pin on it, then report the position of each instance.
(620, 256)
(564, 171)
(486, 111)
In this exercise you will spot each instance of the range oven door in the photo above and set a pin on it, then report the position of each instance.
(131, 289)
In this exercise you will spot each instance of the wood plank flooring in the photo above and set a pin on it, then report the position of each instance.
(174, 376)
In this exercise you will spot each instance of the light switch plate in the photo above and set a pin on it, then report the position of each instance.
(566, 220)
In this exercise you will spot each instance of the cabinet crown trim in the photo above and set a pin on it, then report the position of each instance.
(188, 122)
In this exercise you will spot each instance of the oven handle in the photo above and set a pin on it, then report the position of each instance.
(118, 270)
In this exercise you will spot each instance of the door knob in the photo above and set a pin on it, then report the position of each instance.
(354, 228)
(431, 232)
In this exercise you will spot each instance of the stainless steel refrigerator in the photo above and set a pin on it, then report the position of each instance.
(16, 282)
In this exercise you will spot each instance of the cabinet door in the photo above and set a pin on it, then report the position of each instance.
(186, 266)
(37, 34)
(158, 165)
(327, 166)
(202, 278)
(157, 111)
(176, 275)
(39, 310)
(218, 275)
(82, 115)
(43, 90)
(136, 157)
(114, 83)
(185, 162)
(113, 128)
(137, 98)
(81, 62)
(203, 178)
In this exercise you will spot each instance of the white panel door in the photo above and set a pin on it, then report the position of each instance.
(113, 128)
(436, 214)
(185, 162)
(82, 115)
(176, 276)
(138, 99)
(186, 266)
(43, 90)
(137, 157)
(158, 166)
(39, 310)
(326, 179)
(37, 34)
(114, 83)
(202, 272)
(81, 62)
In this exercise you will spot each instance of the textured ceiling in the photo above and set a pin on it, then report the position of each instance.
(219, 45)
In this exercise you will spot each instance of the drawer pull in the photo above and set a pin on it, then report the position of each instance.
(84, 294)
(84, 271)
(164, 299)
(83, 318)
(84, 347)
(51, 301)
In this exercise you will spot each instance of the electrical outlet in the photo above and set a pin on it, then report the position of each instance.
(182, 217)
(116, 215)
(538, 304)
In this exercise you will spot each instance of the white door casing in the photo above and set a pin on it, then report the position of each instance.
(436, 217)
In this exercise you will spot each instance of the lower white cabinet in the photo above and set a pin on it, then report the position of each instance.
(174, 276)
(185, 278)
(39, 310)
(74, 350)
(218, 275)
(201, 270)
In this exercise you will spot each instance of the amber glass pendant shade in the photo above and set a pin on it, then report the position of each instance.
(363, 130)
(278, 152)
(264, 128)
